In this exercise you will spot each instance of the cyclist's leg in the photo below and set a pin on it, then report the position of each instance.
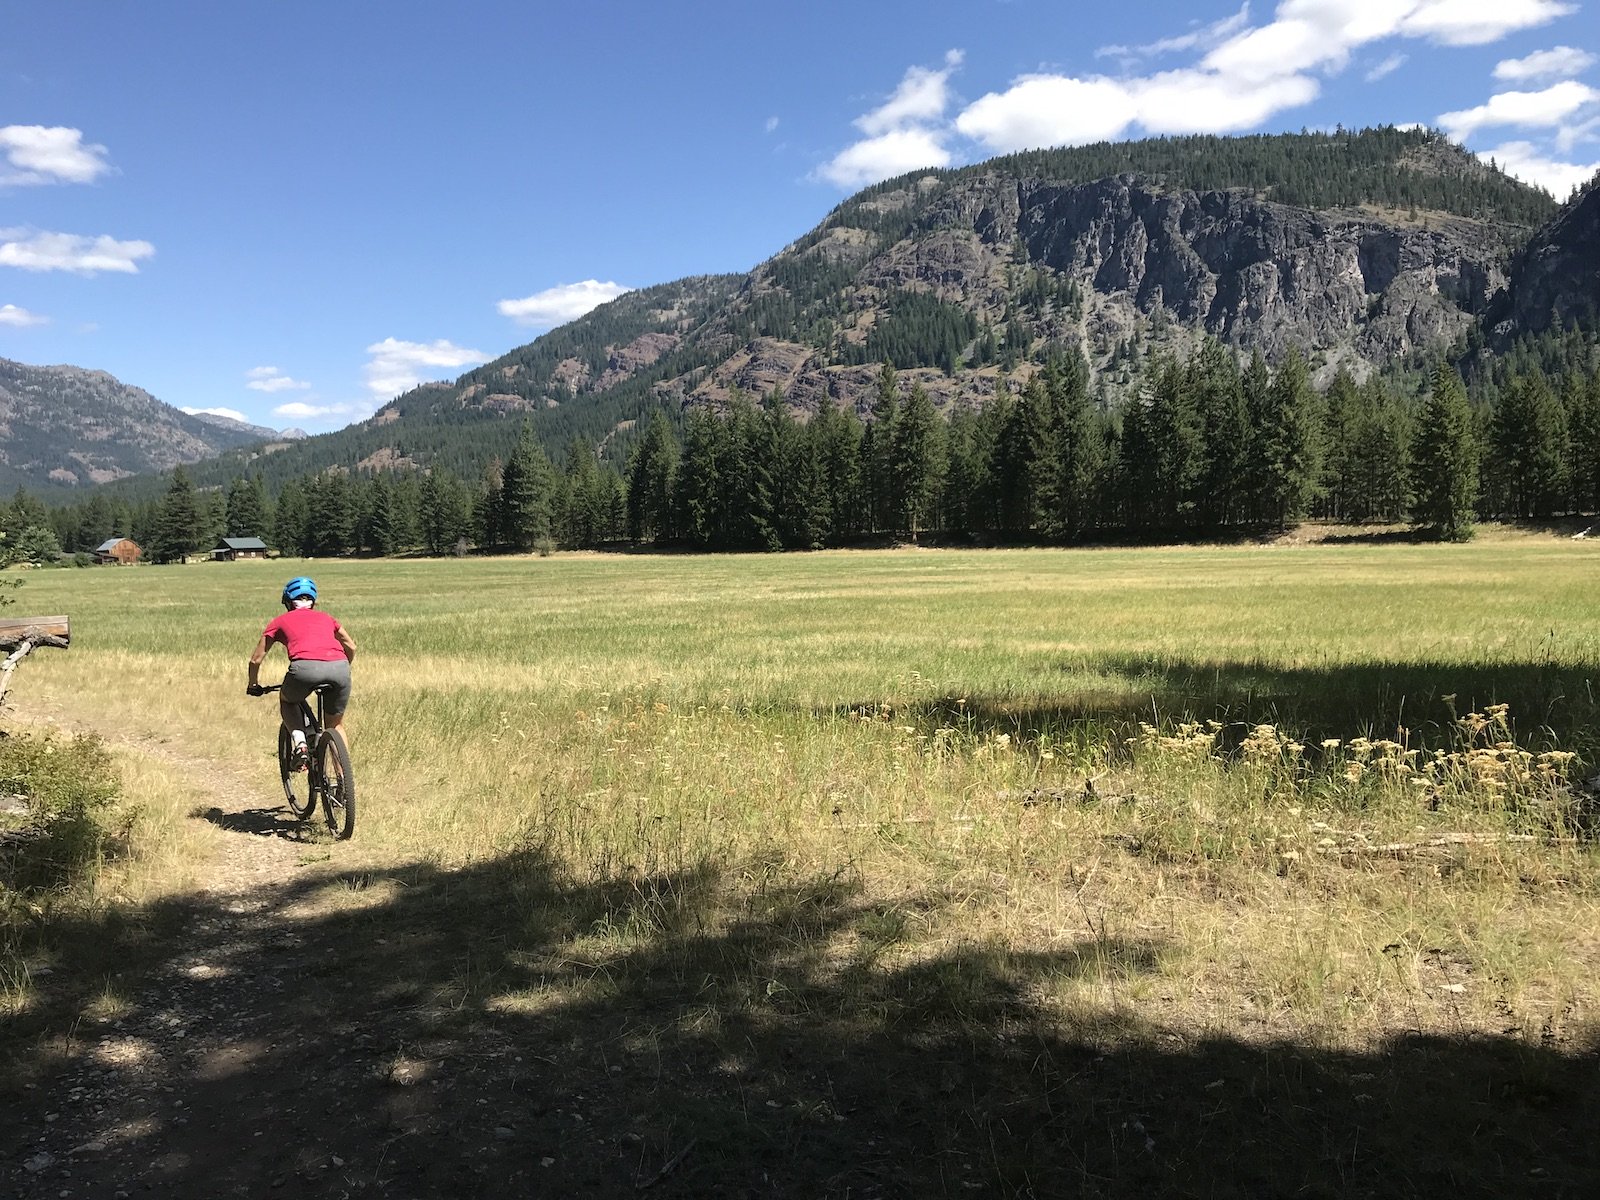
(336, 698)
(291, 700)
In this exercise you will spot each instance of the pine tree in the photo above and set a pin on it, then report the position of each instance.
(1580, 399)
(963, 474)
(751, 472)
(1166, 471)
(1444, 460)
(291, 524)
(801, 509)
(877, 447)
(1288, 433)
(917, 461)
(583, 516)
(1343, 432)
(1015, 466)
(1225, 424)
(836, 435)
(331, 513)
(488, 506)
(1528, 450)
(1378, 458)
(247, 508)
(527, 492)
(444, 514)
(177, 529)
(702, 497)
(378, 516)
(652, 478)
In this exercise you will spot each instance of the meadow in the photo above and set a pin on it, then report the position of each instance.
(1123, 799)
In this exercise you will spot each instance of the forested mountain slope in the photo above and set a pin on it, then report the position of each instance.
(1355, 248)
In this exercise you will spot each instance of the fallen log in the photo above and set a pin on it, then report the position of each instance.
(41, 631)
(21, 634)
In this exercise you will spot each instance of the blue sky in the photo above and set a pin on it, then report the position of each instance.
(292, 211)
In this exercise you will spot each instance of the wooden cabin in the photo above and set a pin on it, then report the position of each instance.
(231, 549)
(119, 551)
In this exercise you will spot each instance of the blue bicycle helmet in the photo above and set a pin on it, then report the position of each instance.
(297, 587)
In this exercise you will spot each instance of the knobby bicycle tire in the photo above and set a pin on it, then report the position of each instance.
(297, 786)
(338, 785)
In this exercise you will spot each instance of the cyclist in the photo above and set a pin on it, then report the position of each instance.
(320, 653)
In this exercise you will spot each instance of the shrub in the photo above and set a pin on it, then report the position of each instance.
(66, 788)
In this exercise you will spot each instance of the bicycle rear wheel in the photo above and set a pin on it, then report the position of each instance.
(338, 785)
(297, 789)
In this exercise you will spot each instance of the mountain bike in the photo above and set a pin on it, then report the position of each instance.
(327, 777)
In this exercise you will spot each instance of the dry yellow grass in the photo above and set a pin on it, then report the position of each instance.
(920, 729)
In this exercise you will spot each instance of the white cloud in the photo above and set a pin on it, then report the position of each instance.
(1559, 62)
(1478, 22)
(32, 250)
(1528, 164)
(1552, 106)
(560, 304)
(1201, 37)
(1320, 34)
(232, 414)
(270, 379)
(1049, 110)
(1202, 102)
(904, 133)
(395, 366)
(1387, 67)
(299, 410)
(771, 125)
(1245, 75)
(921, 97)
(885, 157)
(1570, 135)
(35, 154)
(19, 318)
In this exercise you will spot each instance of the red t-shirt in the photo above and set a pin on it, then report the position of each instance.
(306, 633)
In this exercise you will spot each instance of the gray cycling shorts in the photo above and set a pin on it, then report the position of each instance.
(306, 675)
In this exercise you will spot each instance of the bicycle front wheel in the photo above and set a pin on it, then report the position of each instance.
(338, 785)
(297, 789)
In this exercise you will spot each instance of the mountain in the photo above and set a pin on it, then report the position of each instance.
(1360, 249)
(234, 425)
(66, 427)
(1555, 279)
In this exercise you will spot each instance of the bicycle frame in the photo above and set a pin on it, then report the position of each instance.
(335, 793)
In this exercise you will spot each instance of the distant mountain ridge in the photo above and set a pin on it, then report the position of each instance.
(69, 427)
(234, 425)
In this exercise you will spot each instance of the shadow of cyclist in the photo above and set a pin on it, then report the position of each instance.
(260, 822)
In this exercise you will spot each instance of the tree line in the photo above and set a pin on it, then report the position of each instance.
(1205, 445)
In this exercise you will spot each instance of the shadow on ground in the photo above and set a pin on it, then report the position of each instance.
(261, 822)
(498, 1031)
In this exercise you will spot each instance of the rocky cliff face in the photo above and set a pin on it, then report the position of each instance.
(1354, 288)
(1248, 272)
(1556, 278)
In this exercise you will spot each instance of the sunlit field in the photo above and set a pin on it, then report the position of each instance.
(1269, 787)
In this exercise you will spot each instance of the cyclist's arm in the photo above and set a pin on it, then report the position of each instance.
(257, 656)
(347, 642)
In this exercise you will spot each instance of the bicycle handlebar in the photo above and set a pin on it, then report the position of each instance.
(268, 687)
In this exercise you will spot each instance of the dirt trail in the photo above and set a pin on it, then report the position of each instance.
(290, 1036)
(136, 1107)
